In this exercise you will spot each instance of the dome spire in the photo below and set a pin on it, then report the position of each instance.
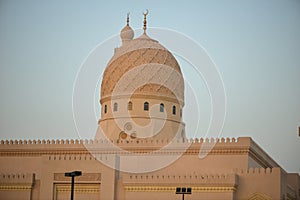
(145, 20)
(128, 19)
(127, 33)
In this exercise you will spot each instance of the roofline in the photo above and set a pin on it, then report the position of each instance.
(220, 146)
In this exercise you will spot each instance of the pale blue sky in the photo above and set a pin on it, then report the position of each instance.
(255, 44)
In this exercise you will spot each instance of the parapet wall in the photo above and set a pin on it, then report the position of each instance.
(90, 141)
(258, 171)
(192, 146)
(211, 146)
(254, 180)
(244, 141)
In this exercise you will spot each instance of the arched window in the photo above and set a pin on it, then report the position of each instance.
(146, 106)
(105, 108)
(115, 107)
(161, 107)
(174, 110)
(129, 106)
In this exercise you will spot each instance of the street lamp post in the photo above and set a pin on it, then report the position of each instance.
(72, 175)
(183, 191)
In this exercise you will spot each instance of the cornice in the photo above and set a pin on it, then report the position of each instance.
(84, 178)
(260, 156)
(54, 154)
(142, 96)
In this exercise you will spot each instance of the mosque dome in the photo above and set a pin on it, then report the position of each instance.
(142, 91)
(154, 61)
(139, 52)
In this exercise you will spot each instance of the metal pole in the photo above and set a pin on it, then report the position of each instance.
(72, 188)
(182, 196)
(72, 175)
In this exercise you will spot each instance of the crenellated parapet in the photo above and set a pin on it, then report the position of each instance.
(258, 171)
(210, 146)
(53, 142)
(192, 146)
(130, 142)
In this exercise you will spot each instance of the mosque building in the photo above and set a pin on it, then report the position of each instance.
(140, 149)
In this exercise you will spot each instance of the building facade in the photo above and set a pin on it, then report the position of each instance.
(140, 150)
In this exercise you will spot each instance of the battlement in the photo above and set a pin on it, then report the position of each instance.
(34, 142)
(128, 142)
(135, 145)
(212, 146)
(259, 171)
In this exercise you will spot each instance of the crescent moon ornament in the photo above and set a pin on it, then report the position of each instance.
(146, 13)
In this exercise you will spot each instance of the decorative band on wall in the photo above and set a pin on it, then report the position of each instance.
(15, 187)
(173, 189)
(78, 188)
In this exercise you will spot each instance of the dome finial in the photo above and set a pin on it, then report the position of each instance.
(128, 18)
(145, 20)
(127, 33)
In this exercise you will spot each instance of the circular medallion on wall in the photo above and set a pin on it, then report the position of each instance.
(123, 135)
(128, 126)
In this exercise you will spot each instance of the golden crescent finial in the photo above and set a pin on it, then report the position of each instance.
(146, 13)
(145, 20)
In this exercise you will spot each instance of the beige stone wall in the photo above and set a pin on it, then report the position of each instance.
(170, 195)
(46, 161)
(223, 174)
(159, 185)
(259, 181)
(14, 186)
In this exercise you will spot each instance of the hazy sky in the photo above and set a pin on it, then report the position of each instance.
(255, 44)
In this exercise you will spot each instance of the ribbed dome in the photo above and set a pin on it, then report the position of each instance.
(156, 63)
